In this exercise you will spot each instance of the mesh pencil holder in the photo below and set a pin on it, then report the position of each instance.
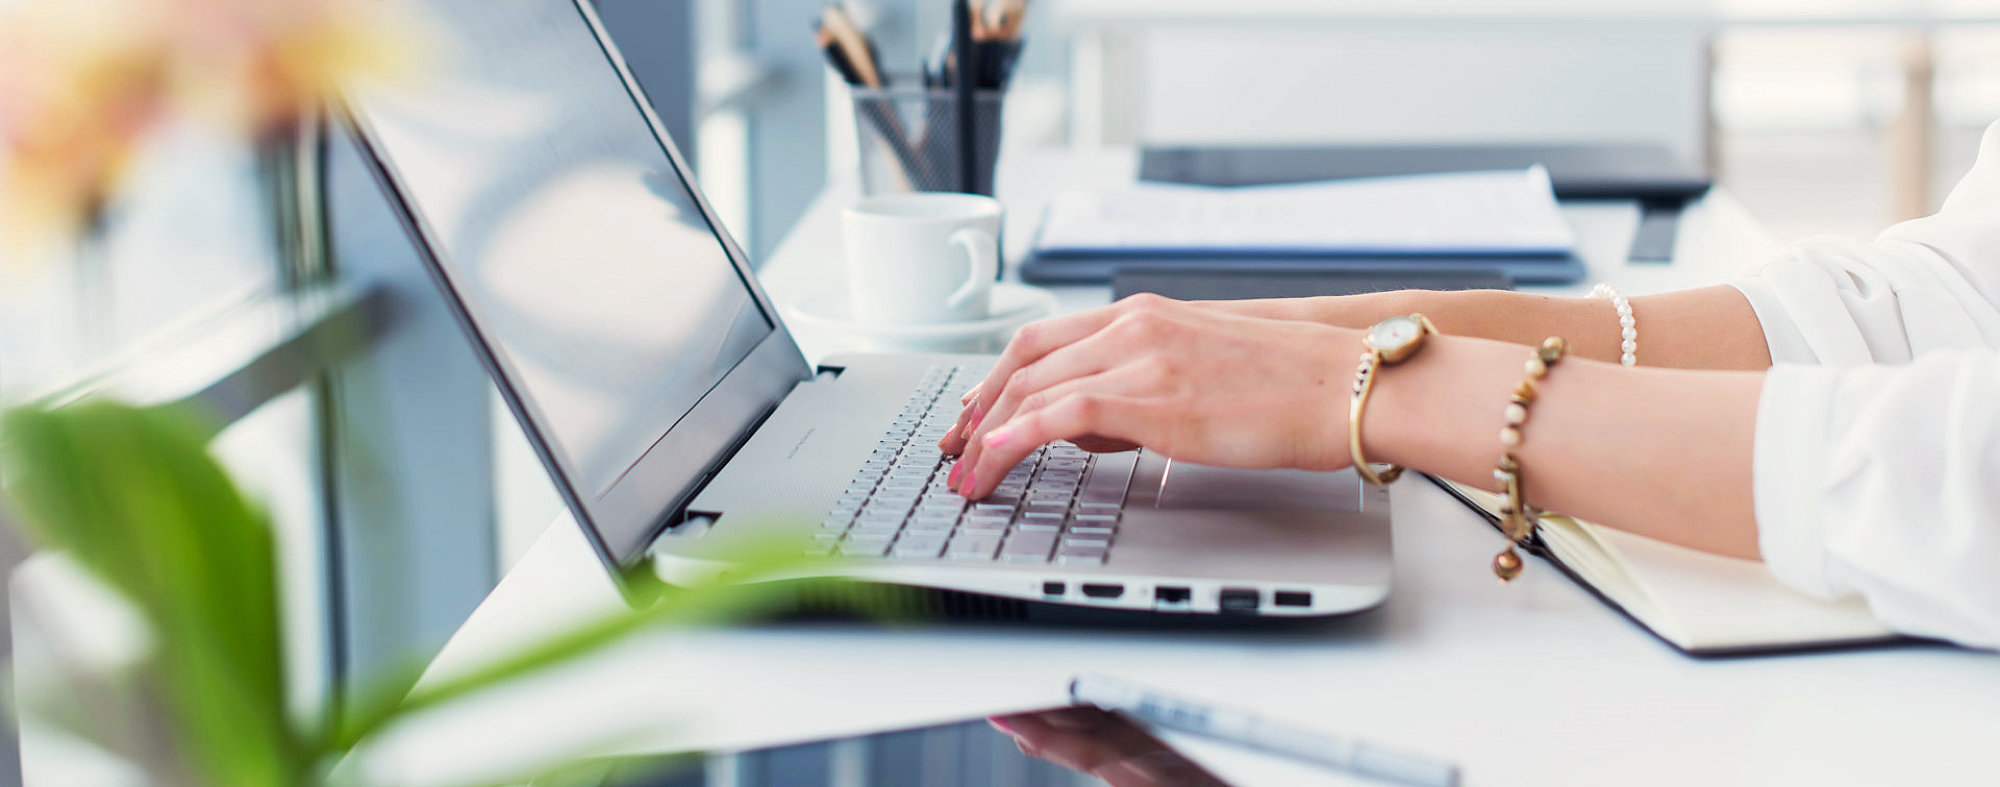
(910, 141)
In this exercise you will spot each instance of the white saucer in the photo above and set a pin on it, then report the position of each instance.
(828, 314)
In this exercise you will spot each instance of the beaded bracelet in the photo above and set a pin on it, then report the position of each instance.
(1516, 519)
(1628, 329)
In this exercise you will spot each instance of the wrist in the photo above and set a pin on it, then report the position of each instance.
(1339, 351)
(1440, 411)
(1361, 311)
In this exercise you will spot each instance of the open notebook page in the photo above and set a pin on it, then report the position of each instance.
(1694, 599)
(1497, 212)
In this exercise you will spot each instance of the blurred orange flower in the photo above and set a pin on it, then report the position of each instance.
(83, 81)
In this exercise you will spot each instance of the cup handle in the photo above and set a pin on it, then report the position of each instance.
(985, 253)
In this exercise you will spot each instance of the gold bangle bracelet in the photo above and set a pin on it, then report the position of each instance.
(1391, 341)
(1517, 520)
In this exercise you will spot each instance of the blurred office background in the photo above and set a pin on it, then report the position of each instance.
(404, 489)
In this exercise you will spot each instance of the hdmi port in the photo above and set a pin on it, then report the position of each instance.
(1095, 590)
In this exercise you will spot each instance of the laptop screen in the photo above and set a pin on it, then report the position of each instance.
(566, 230)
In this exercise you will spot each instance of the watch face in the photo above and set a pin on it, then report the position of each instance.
(1394, 333)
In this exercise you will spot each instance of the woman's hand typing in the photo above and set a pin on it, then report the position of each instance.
(1191, 383)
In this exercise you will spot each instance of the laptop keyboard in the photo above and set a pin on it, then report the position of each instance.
(1061, 504)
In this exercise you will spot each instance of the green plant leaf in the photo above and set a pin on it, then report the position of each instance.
(133, 494)
(761, 582)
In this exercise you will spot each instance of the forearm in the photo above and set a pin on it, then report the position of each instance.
(1707, 328)
(1662, 453)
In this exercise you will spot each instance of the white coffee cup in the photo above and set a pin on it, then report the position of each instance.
(927, 257)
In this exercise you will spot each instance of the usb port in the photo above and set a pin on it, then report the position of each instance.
(1238, 601)
(1053, 588)
(1170, 594)
(1096, 590)
(1292, 598)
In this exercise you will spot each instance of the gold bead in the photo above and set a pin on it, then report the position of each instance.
(1525, 391)
(1507, 565)
(1516, 414)
(1510, 436)
(1536, 367)
(1552, 349)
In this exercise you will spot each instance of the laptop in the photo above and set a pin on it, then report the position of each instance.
(680, 422)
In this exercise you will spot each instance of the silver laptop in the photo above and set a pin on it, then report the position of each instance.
(679, 421)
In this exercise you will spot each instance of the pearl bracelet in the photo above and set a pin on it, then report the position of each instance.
(1628, 329)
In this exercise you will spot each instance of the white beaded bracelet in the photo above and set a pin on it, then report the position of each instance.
(1628, 330)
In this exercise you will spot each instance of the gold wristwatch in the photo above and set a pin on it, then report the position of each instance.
(1390, 342)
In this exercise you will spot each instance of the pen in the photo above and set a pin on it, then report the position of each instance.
(835, 56)
(1247, 730)
(966, 59)
(854, 45)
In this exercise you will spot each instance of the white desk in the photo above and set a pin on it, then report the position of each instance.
(1534, 683)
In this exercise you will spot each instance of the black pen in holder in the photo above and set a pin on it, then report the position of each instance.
(910, 139)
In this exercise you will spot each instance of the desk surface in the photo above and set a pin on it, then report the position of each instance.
(1533, 683)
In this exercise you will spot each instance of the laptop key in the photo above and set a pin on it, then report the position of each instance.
(1082, 557)
(878, 511)
(883, 533)
(931, 525)
(992, 526)
(1109, 476)
(1028, 547)
(973, 547)
(868, 547)
(918, 546)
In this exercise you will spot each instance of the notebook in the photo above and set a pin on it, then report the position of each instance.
(1701, 604)
(1661, 181)
(1638, 171)
(1504, 220)
(1196, 285)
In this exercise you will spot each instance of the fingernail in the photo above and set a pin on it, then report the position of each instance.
(971, 483)
(973, 422)
(998, 438)
(951, 478)
(969, 395)
(1000, 723)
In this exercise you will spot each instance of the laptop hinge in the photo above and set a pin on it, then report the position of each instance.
(679, 514)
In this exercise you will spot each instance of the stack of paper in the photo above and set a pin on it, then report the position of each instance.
(1507, 214)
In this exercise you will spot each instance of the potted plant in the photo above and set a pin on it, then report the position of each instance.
(131, 495)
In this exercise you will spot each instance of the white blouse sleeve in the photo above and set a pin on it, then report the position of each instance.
(1877, 467)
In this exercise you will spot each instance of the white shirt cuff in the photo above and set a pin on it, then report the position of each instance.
(1794, 412)
(1787, 344)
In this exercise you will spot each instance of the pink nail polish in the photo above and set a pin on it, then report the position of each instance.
(1000, 723)
(951, 478)
(971, 483)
